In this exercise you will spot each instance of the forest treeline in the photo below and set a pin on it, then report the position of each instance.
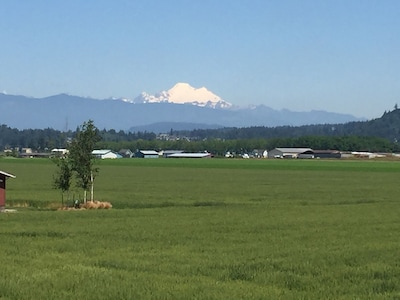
(378, 135)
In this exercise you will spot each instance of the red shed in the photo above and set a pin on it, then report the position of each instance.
(3, 177)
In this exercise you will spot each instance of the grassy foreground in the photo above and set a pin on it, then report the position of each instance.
(206, 229)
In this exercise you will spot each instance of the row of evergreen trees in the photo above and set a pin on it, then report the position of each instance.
(379, 135)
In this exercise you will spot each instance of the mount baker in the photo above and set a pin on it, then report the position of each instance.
(184, 93)
(182, 107)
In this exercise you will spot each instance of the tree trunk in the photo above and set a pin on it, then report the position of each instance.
(91, 186)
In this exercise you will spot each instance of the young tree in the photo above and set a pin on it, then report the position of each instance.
(82, 160)
(62, 179)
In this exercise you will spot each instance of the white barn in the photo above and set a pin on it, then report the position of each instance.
(104, 154)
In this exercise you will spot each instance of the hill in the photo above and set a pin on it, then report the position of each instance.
(387, 127)
(65, 112)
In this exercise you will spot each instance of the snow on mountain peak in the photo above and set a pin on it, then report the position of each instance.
(184, 93)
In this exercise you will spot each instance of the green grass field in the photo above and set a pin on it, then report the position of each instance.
(206, 229)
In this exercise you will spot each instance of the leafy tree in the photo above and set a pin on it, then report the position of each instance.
(62, 179)
(82, 160)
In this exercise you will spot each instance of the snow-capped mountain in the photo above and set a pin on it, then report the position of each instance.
(63, 112)
(183, 93)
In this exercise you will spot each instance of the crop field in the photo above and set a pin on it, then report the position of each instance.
(205, 229)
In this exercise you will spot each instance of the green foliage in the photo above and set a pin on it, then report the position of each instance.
(80, 154)
(62, 179)
(39, 139)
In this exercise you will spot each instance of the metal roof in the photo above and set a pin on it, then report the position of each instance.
(148, 152)
(172, 151)
(100, 152)
(189, 155)
(293, 150)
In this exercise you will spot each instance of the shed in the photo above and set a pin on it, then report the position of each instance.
(286, 152)
(322, 154)
(3, 177)
(127, 153)
(146, 154)
(167, 153)
(103, 154)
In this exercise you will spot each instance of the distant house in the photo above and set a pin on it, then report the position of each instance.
(106, 154)
(59, 152)
(146, 154)
(286, 152)
(26, 150)
(126, 153)
(190, 155)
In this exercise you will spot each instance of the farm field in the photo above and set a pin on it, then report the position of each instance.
(206, 229)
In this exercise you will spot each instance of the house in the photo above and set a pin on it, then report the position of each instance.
(26, 150)
(3, 177)
(106, 154)
(286, 152)
(59, 152)
(146, 154)
(126, 153)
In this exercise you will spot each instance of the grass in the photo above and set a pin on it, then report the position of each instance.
(207, 229)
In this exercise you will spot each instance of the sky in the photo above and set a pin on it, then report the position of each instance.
(334, 55)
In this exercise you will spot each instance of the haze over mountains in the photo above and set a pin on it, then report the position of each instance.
(181, 107)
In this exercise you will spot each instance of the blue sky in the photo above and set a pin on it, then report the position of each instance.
(339, 56)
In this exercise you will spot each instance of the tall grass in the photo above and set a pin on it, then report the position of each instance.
(212, 229)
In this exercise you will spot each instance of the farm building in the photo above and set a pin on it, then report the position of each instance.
(59, 152)
(104, 154)
(190, 155)
(166, 153)
(146, 154)
(320, 154)
(3, 178)
(35, 155)
(286, 152)
(126, 153)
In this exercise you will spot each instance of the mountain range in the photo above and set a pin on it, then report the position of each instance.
(182, 107)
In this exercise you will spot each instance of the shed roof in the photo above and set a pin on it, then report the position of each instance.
(148, 152)
(293, 150)
(7, 174)
(323, 151)
(101, 151)
(172, 151)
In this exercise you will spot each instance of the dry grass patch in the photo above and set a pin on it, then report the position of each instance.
(90, 205)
